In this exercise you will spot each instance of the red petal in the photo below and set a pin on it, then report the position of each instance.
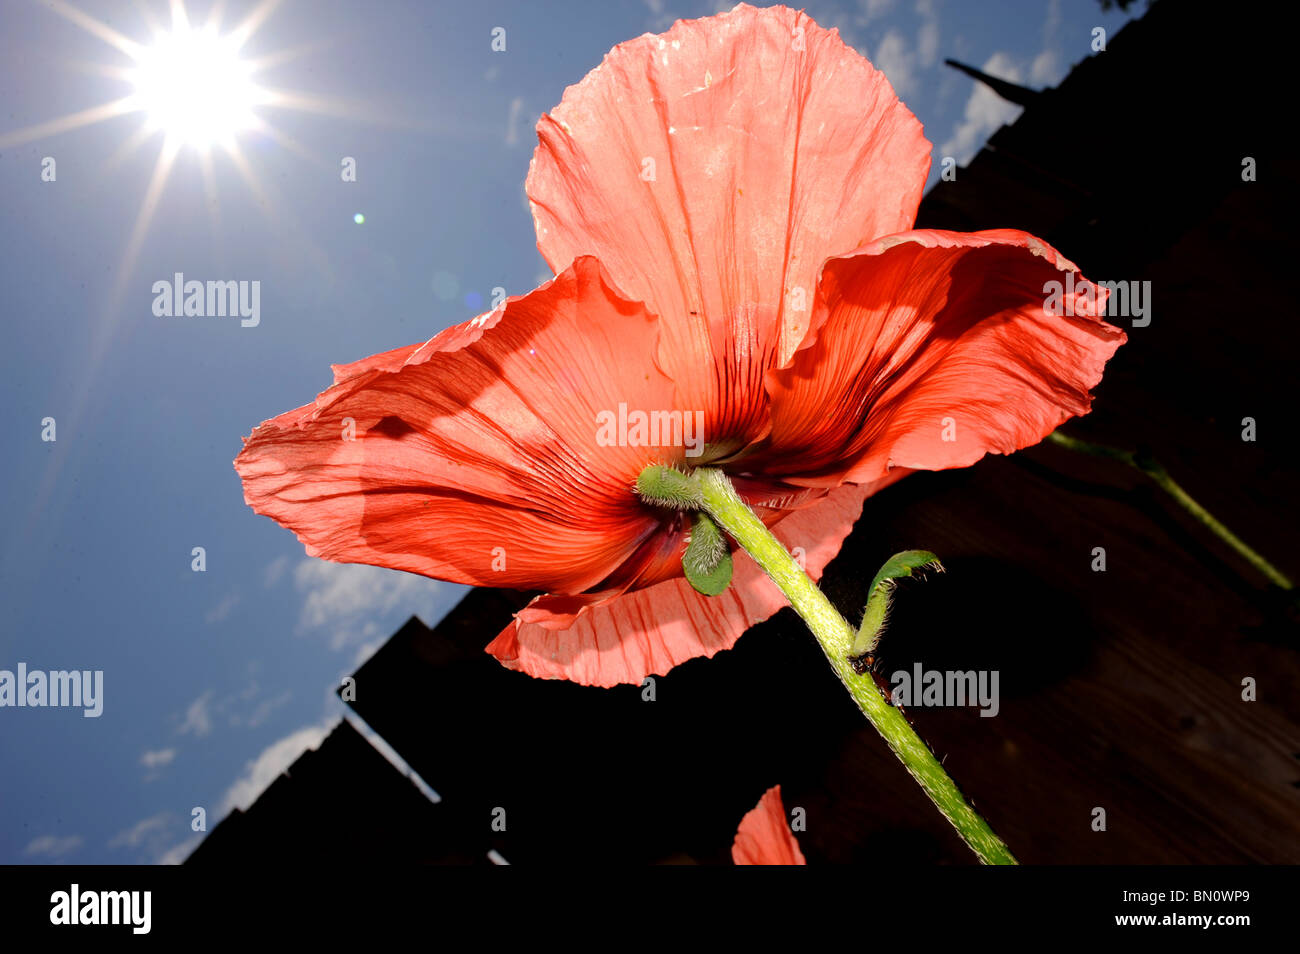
(476, 456)
(774, 147)
(934, 349)
(388, 361)
(764, 836)
(652, 630)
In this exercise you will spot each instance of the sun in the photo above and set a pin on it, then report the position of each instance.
(192, 85)
(199, 93)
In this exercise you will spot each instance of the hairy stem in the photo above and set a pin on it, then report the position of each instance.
(836, 637)
(1160, 476)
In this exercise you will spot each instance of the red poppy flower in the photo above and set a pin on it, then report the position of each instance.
(764, 836)
(727, 208)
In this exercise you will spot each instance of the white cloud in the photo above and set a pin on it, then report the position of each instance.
(158, 758)
(893, 54)
(985, 111)
(365, 652)
(177, 854)
(275, 570)
(198, 717)
(142, 832)
(152, 839)
(222, 609)
(874, 9)
(661, 18)
(264, 708)
(1045, 70)
(356, 603)
(927, 43)
(1052, 26)
(267, 767)
(897, 63)
(52, 846)
(512, 123)
(245, 707)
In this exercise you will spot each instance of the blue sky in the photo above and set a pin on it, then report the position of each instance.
(214, 681)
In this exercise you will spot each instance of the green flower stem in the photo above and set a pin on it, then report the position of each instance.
(836, 637)
(1157, 473)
